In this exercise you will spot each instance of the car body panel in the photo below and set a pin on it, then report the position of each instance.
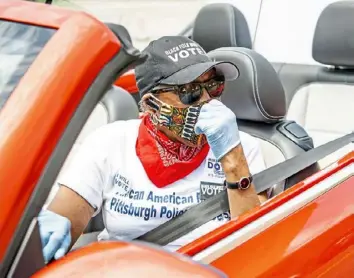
(317, 240)
(128, 82)
(324, 226)
(211, 238)
(123, 259)
(39, 109)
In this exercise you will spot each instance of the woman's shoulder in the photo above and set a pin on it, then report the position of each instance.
(117, 129)
(112, 134)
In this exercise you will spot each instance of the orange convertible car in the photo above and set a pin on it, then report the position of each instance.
(57, 68)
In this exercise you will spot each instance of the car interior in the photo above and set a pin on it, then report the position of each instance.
(289, 108)
(318, 97)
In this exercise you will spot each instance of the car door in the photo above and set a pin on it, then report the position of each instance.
(59, 63)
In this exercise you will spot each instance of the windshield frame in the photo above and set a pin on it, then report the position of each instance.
(31, 128)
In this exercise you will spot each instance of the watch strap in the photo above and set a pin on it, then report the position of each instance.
(243, 184)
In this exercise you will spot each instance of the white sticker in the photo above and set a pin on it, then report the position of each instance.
(213, 169)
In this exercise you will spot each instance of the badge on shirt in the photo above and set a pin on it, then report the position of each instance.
(121, 184)
(209, 189)
(213, 169)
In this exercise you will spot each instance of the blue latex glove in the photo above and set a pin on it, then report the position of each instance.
(219, 125)
(55, 234)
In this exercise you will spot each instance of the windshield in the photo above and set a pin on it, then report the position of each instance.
(19, 46)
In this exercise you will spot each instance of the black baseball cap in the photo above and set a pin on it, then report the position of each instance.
(177, 60)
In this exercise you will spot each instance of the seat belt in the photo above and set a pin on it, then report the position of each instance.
(212, 207)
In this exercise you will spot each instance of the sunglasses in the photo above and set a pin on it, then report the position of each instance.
(192, 92)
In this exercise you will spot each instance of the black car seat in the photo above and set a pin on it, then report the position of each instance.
(257, 98)
(221, 25)
(321, 98)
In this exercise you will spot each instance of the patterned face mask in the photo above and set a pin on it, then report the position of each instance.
(180, 121)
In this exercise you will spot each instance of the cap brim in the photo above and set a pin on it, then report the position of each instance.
(191, 73)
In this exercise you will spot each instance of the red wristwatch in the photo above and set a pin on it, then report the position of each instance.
(243, 184)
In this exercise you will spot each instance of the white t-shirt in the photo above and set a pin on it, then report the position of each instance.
(107, 173)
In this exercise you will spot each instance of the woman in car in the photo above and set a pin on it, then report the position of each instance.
(141, 173)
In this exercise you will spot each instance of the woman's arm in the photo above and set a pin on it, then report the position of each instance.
(235, 167)
(79, 195)
(71, 205)
(219, 125)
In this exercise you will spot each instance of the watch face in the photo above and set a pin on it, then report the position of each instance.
(244, 183)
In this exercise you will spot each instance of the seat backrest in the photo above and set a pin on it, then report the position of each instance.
(116, 104)
(257, 98)
(221, 25)
(321, 98)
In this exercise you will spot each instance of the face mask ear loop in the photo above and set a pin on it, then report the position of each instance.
(154, 121)
(150, 104)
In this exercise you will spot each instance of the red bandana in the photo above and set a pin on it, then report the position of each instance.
(164, 160)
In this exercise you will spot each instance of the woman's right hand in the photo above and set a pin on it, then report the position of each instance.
(55, 234)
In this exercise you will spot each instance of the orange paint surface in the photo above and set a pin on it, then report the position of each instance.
(128, 82)
(122, 259)
(315, 241)
(40, 108)
(210, 238)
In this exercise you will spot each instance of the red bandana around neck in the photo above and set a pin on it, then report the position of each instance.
(164, 160)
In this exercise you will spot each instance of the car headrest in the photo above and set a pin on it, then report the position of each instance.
(221, 25)
(257, 95)
(120, 105)
(333, 42)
